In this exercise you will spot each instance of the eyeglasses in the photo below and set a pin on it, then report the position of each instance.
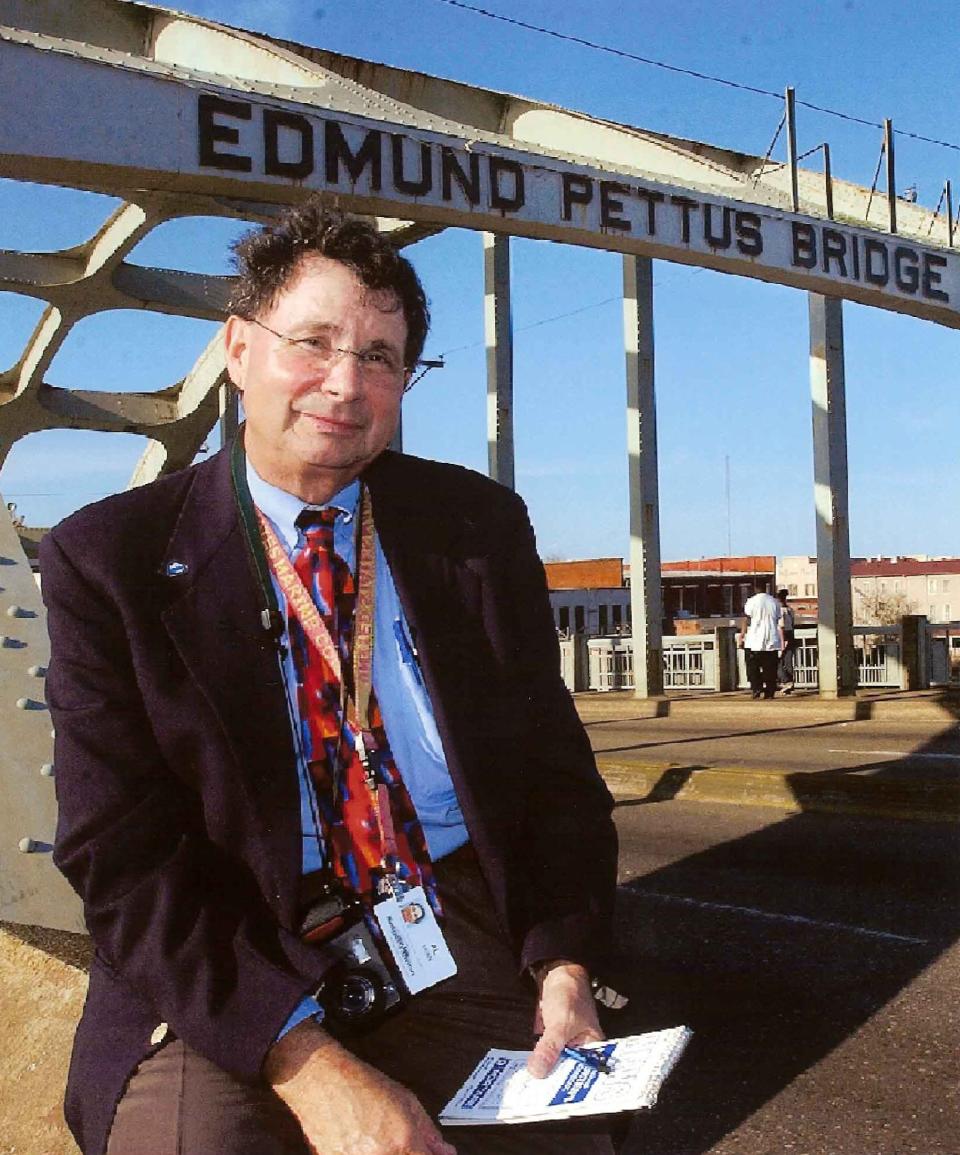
(379, 365)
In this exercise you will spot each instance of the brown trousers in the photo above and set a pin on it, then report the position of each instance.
(178, 1103)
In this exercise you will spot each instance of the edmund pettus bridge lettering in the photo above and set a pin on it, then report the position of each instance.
(240, 136)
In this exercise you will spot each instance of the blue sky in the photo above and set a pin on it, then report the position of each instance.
(732, 354)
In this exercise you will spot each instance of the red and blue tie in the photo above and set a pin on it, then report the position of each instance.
(349, 828)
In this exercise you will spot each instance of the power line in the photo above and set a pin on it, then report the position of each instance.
(723, 81)
(592, 44)
(563, 316)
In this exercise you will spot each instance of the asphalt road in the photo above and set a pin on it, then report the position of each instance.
(816, 958)
(928, 748)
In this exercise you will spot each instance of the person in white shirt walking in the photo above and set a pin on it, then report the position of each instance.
(761, 636)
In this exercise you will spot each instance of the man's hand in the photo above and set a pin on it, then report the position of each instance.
(343, 1105)
(566, 1014)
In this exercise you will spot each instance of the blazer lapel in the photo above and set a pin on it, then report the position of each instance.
(217, 629)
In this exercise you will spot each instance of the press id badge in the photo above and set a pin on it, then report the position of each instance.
(416, 942)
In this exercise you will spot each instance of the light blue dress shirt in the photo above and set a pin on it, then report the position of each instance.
(405, 704)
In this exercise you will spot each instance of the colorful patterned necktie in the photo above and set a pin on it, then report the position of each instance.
(348, 820)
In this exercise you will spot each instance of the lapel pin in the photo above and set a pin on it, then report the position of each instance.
(176, 568)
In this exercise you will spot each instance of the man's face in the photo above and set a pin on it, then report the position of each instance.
(310, 429)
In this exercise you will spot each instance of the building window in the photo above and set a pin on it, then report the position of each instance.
(565, 618)
(945, 585)
(932, 613)
(809, 590)
(792, 591)
(578, 619)
(946, 612)
(603, 620)
(931, 585)
(617, 619)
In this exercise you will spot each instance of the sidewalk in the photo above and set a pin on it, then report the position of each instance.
(895, 754)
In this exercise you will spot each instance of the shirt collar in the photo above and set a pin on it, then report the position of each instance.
(283, 508)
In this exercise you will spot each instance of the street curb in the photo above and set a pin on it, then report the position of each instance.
(790, 790)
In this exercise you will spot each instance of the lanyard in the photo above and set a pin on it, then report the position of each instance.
(272, 622)
(356, 707)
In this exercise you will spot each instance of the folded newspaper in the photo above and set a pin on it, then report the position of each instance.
(500, 1091)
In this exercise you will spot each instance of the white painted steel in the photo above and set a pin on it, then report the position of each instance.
(837, 669)
(538, 171)
(498, 332)
(690, 662)
(646, 590)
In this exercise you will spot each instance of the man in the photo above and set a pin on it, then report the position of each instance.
(761, 636)
(255, 758)
(785, 673)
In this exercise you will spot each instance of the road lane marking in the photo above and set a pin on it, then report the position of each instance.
(796, 919)
(896, 753)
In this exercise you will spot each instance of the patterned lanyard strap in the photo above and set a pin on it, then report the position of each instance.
(357, 708)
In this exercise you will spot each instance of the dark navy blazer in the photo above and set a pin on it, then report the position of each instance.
(175, 767)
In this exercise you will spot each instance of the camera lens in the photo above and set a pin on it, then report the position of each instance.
(357, 994)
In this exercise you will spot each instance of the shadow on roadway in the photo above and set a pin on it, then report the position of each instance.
(775, 948)
(714, 737)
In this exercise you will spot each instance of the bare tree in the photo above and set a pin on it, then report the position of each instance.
(879, 608)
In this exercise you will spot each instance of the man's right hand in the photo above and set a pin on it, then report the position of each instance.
(343, 1105)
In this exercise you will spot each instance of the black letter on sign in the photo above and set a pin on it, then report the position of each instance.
(930, 278)
(273, 121)
(451, 167)
(686, 204)
(505, 204)
(209, 132)
(804, 246)
(609, 205)
(872, 248)
(750, 238)
(417, 188)
(725, 239)
(338, 150)
(905, 269)
(653, 199)
(577, 190)
(834, 249)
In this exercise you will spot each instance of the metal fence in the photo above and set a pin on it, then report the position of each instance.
(690, 662)
(878, 651)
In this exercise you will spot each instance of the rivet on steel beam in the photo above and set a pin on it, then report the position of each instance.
(37, 671)
(46, 770)
(26, 846)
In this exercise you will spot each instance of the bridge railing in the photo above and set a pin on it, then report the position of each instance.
(692, 662)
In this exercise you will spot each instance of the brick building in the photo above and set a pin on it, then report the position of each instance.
(593, 596)
(901, 585)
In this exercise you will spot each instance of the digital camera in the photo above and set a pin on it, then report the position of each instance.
(359, 988)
